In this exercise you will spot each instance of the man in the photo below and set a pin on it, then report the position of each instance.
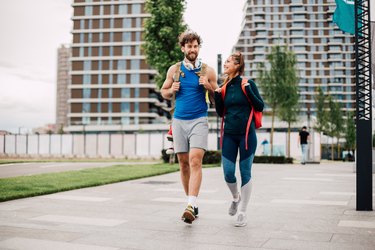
(190, 124)
(303, 139)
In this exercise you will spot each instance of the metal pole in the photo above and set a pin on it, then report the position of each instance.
(363, 105)
(219, 65)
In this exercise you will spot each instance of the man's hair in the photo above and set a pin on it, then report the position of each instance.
(304, 127)
(188, 37)
(238, 59)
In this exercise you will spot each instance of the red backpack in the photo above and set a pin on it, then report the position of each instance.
(257, 114)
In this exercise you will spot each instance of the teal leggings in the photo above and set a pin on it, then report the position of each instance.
(231, 145)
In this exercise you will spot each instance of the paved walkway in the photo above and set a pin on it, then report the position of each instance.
(292, 207)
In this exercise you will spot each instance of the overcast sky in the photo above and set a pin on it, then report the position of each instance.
(31, 32)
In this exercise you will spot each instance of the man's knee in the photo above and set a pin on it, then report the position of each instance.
(183, 160)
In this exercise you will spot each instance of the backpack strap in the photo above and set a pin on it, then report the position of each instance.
(176, 78)
(244, 81)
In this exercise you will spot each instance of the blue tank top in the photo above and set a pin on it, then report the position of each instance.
(190, 99)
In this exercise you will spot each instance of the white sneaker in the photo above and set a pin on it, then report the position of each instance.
(169, 151)
(234, 206)
(241, 220)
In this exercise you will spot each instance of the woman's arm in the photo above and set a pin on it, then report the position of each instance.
(254, 96)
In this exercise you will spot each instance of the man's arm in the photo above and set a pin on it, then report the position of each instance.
(170, 86)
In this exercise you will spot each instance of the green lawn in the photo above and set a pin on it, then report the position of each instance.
(28, 186)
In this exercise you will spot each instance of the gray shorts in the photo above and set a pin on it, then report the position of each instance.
(190, 134)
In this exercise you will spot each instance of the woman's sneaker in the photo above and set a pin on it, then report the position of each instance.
(189, 215)
(234, 206)
(241, 220)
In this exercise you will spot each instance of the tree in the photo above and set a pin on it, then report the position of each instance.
(335, 124)
(278, 84)
(350, 133)
(289, 108)
(321, 113)
(161, 35)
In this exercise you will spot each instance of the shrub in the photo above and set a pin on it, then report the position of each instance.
(272, 159)
(210, 157)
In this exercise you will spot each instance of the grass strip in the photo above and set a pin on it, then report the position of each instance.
(34, 185)
(28, 186)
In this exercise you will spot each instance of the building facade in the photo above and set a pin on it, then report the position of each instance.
(63, 81)
(112, 87)
(324, 53)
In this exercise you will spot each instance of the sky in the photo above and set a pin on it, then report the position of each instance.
(32, 31)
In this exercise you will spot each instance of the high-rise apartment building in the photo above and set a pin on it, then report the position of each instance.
(63, 81)
(325, 54)
(112, 87)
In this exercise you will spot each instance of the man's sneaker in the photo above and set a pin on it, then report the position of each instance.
(169, 151)
(234, 206)
(169, 137)
(189, 215)
(241, 220)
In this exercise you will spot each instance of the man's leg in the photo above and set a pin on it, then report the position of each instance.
(183, 159)
(195, 161)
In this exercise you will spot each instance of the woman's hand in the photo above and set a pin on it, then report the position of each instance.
(218, 90)
(245, 83)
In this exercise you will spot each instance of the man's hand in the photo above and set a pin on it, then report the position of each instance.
(175, 87)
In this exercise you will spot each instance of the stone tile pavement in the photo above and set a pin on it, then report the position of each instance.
(292, 207)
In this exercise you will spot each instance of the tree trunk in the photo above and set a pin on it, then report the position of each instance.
(332, 150)
(288, 139)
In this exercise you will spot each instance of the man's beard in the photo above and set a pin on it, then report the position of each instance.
(191, 57)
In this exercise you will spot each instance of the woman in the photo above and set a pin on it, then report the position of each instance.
(235, 108)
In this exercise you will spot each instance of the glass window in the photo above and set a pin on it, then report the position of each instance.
(121, 78)
(87, 65)
(99, 82)
(125, 107)
(127, 23)
(86, 93)
(81, 52)
(125, 120)
(82, 24)
(123, 9)
(138, 36)
(126, 36)
(138, 22)
(136, 8)
(134, 78)
(137, 50)
(126, 50)
(121, 64)
(86, 79)
(88, 10)
(135, 64)
(85, 107)
(125, 93)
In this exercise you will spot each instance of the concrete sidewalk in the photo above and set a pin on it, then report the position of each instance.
(292, 207)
